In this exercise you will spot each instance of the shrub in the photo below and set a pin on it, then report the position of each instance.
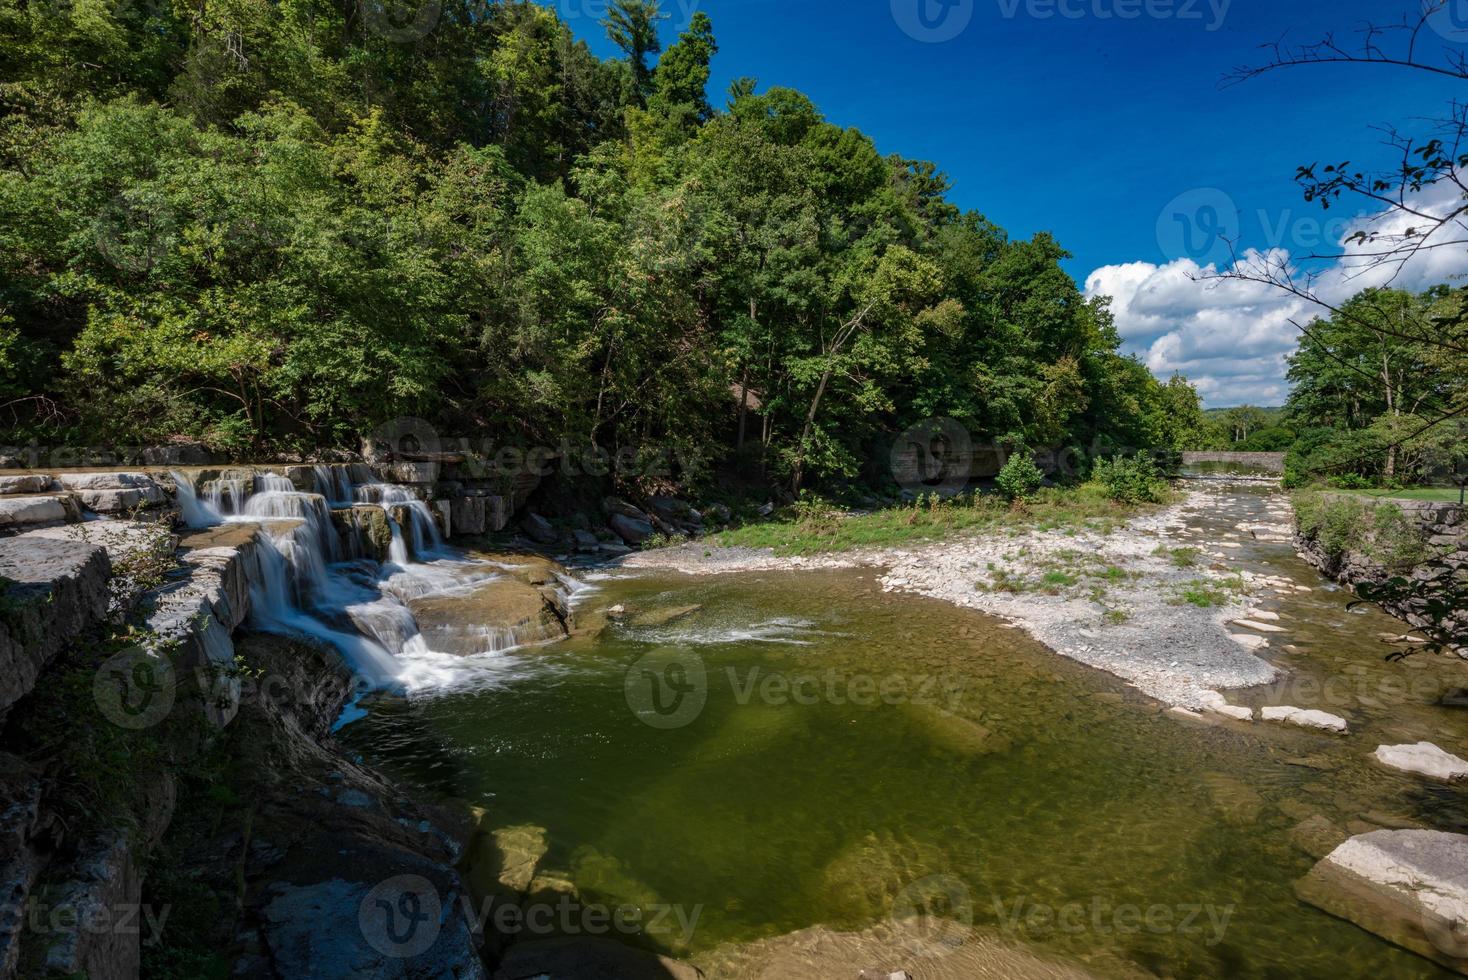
(1020, 477)
(1130, 480)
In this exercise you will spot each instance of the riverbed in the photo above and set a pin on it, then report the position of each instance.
(775, 751)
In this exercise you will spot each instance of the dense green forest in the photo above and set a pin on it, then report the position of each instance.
(271, 226)
(1378, 390)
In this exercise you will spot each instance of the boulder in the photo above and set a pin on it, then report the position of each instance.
(632, 530)
(1424, 758)
(1305, 718)
(538, 528)
(120, 501)
(443, 512)
(54, 591)
(19, 513)
(1409, 887)
(717, 513)
(107, 481)
(467, 515)
(1216, 703)
(616, 505)
(25, 483)
(585, 541)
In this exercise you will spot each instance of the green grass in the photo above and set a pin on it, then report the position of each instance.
(811, 527)
(1180, 557)
(1207, 593)
(1448, 494)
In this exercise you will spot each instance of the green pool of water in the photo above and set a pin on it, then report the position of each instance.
(1073, 815)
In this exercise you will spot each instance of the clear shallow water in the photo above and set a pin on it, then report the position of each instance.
(1056, 798)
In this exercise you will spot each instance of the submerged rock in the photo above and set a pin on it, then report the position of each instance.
(1410, 887)
(1424, 758)
(1322, 721)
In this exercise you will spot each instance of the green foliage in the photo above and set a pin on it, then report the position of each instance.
(1019, 478)
(814, 527)
(1381, 532)
(271, 228)
(1131, 480)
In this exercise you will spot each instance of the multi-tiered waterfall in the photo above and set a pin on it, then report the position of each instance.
(306, 582)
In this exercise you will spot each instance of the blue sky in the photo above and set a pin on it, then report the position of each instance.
(1090, 126)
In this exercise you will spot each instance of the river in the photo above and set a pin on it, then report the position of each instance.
(766, 752)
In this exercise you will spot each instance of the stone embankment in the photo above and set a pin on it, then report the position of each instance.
(81, 555)
(1365, 555)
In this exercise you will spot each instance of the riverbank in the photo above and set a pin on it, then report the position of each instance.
(1141, 598)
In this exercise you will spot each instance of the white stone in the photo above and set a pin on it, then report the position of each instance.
(1408, 886)
(1261, 627)
(25, 483)
(1216, 703)
(1424, 758)
(106, 481)
(1306, 718)
(31, 511)
(1248, 640)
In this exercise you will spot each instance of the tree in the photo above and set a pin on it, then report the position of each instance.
(633, 26)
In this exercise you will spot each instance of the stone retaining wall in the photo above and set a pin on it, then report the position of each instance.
(1443, 528)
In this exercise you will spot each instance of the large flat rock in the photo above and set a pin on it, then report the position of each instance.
(1425, 759)
(51, 591)
(1409, 887)
(19, 513)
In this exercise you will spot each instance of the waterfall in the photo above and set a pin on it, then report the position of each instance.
(422, 529)
(305, 583)
(335, 484)
(196, 513)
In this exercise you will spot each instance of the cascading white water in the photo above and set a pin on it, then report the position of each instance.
(226, 497)
(422, 530)
(196, 513)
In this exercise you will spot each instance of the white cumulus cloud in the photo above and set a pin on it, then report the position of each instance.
(1231, 337)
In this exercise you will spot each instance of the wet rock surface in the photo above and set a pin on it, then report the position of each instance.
(1408, 886)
